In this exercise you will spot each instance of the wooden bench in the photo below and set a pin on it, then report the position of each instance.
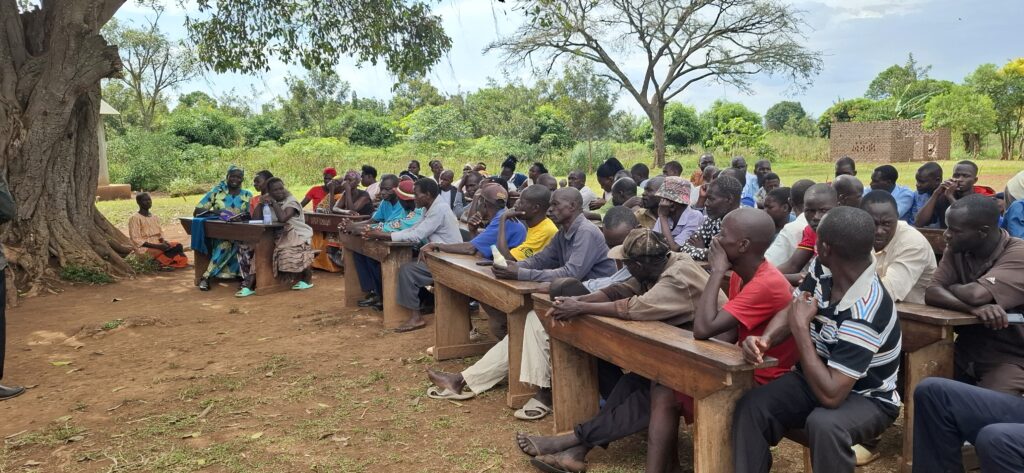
(391, 255)
(328, 223)
(457, 280)
(712, 372)
(927, 351)
(258, 236)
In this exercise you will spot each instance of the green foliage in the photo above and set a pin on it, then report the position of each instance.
(431, 124)
(504, 111)
(80, 273)
(737, 133)
(842, 111)
(373, 131)
(1005, 86)
(259, 128)
(203, 125)
(682, 127)
(624, 127)
(141, 264)
(196, 98)
(312, 102)
(803, 126)
(112, 324)
(896, 79)
(145, 160)
(586, 99)
(963, 110)
(414, 93)
(585, 157)
(722, 112)
(551, 129)
(779, 114)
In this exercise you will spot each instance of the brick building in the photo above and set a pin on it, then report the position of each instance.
(892, 141)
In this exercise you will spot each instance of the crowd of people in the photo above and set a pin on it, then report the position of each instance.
(812, 271)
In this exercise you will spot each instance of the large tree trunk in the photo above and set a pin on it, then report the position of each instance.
(51, 63)
(656, 113)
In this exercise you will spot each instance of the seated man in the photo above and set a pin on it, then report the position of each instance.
(647, 213)
(640, 174)
(949, 412)
(981, 273)
(849, 190)
(624, 193)
(757, 291)
(578, 181)
(769, 182)
(147, 235)
(672, 168)
(785, 243)
(904, 259)
(449, 193)
(777, 206)
(721, 197)
(884, 179)
(846, 166)
(965, 175)
(1013, 198)
(675, 215)
(577, 251)
(414, 275)
(928, 178)
(818, 200)
(549, 181)
(664, 287)
(843, 390)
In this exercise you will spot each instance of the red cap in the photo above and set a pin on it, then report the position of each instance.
(330, 172)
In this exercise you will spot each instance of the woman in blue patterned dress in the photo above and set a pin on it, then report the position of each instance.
(227, 195)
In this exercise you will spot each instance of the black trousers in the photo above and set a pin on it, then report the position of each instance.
(3, 319)
(949, 412)
(766, 413)
(626, 411)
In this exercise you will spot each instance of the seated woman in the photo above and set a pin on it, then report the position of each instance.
(229, 196)
(147, 235)
(352, 200)
(293, 253)
(316, 194)
(245, 252)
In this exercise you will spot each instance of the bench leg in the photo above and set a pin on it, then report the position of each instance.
(394, 314)
(931, 360)
(518, 393)
(266, 283)
(353, 292)
(712, 428)
(574, 388)
(452, 325)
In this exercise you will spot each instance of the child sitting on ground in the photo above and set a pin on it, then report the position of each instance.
(145, 232)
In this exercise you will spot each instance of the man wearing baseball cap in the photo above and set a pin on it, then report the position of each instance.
(665, 286)
(414, 275)
(675, 216)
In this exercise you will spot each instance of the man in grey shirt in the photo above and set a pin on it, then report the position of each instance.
(8, 211)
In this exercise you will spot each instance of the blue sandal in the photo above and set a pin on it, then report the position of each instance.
(301, 286)
(244, 292)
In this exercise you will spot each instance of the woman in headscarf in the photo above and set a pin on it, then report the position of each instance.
(226, 196)
(293, 252)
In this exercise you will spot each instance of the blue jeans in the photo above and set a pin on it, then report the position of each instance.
(368, 270)
(948, 412)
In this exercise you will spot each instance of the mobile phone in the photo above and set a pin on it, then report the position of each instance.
(489, 263)
(1015, 318)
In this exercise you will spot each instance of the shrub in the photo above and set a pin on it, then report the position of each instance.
(583, 158)
(373, 131)
(203, 125)
(141, 264)
(85, 274)
(146, 161)
(431, 124)
(260, 128)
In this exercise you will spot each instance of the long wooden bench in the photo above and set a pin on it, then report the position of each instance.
(714, 373)
(328, 223)
(457, 280)
(257, 235)
(927, 351)
(391, 255)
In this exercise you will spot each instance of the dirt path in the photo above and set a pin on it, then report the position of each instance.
(152, 375)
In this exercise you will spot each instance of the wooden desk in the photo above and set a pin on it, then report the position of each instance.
(328, 223)
(713, 372)
(258, 236)
(936, 239)
(391, 255)
(457, 280)
(928, 351)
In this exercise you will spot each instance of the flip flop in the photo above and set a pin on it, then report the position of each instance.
(301, 286)
(532, 444)
(409, 329)
(434, 393)
(550, 468)
(244, 292)
(532, 406)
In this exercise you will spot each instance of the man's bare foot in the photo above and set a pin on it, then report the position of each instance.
(450, 381)
(541, 445)
(573, 459)
(414, 323)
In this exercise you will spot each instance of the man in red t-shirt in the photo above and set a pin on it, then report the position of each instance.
(316, 194)
(818, 200)
(757, 291)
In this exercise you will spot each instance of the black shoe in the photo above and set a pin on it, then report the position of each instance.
(7, 392)
(378, 307)
(204, 284)
(370, 300)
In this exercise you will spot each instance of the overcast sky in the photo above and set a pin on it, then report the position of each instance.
(858, 39)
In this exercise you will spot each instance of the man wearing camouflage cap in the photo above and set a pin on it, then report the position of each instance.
(675, 216)
(665, 286)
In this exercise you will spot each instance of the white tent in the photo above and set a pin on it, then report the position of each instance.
(104, 177)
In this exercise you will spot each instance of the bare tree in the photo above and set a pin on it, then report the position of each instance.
(153, 64)
(682, 42)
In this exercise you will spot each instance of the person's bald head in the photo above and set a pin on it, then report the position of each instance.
(849, 190)
(735, 173)
(534, 201)
(566, 205)
(548, 181)
(623, 190)
(746, 233)
(739, 162)
(618, 222)
(972, 222)
(819, 200)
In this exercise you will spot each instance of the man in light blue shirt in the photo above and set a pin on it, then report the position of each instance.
(884, 179)
(928, 178)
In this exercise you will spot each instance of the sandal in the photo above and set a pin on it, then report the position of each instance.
(533, 410)
(434, 392)
(244, 292)
(301, 286)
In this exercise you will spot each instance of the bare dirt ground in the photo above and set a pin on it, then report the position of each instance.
(150, 374)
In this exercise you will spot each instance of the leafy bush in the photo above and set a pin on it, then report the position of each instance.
(145, 160)
(141, 264)
(583, 158)
(436, 123)
(85, 274)
(203, 125)
(551, 129)
(260, 128)
(369, 130)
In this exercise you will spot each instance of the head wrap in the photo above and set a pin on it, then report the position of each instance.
(405, 190)
(331, 172)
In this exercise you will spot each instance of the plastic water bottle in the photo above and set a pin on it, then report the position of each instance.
(266, 213)
(498, 258)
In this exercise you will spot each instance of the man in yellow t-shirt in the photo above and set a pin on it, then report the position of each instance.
(531, 209)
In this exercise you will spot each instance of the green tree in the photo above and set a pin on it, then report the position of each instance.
(623, 126)
(203, 125)
(503, 110)
(842, 111)
(722, 112)
(153, 65)
(737, 133)
(586, 99)
(684, 42)
(895, 79)
(964, 111)
(1005, 86)
(195, 99)
(313, 101)
(55, 53)
(412, 94)
(435, 123)
(551, 128)
(777, 115)
(256, 129)
(804, 126)
(682, 126)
